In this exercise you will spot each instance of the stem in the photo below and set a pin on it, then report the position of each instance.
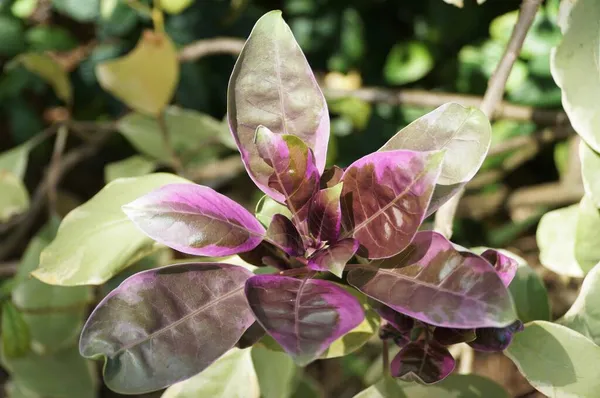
(444, 217)
(162, 125)
(59, 148)
(385, 357)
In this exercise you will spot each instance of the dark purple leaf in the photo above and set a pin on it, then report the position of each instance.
(436, 284)
(294, 177)
(272, 85)
(165, 325)
(331, 177)
(385, 196)
(265, 254)
(284, 234)
(450, 336)
(399, 321)
(325, 217)
(422, 361)
(303, 315)
(195, 219)
(505, 266)
(251, 336)
(333, 258)
(495, 339)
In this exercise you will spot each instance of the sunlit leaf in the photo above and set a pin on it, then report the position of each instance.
(146, 78)
(272, 85)
(433, 282)
(79, 255)
(175, 6)
(587, 234)
(23, 8)
(230, 376)
(202, 313)
(590, 172)
(556, 360)
(134, 166)
(407, 62)
(51, 71)
(14, 199)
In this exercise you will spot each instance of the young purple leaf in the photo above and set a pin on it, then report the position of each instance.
(331, 177)
(294, 177)
(450, 336)
(165, 325)
(385, 196)
(303, 316)
(436, 284)
(423, 361)
(505, 266)
(325, 216)
(195, 219)
(398, 326)
(272, 85)
(495, 339)
(284, 234)
(334, 257)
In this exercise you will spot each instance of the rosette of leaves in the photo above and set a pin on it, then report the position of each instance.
(328, 229)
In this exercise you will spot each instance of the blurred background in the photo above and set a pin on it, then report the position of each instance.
(381, 64)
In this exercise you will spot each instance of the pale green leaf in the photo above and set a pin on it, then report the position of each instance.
(584, 314)
(14, 198)
(51, 71)
(276, 372)
(587, 235)
(146, 78)
(54, 314)
(576, 70)
(231, 376)
(407, 62)
(133, 166)
(64, 374)
(23, 8)
(96, 240)
(175, 6)
(529, 293)
(556, 360)
(266, 208)
(590, 172)
(455, 386)
(556, 241)
(82, 11)
(15, 160)
(188, 131)
(16, 339)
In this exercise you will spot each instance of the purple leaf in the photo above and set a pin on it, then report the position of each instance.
(334, 257)
(436, 284)
(450, 336)
(495, 339)
(165, 325)
(399, 321)
(272, 85)
(284, 234)
(422, 361)
(195, 219)
(294, 177)
(505, 266)
(251, 336)
(331, 177)
(303, 316)
(325, 216)
(385, 196)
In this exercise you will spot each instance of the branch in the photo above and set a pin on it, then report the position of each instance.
(493, 96)
(204, 47)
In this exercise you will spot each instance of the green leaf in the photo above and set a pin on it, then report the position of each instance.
(63, 374)
(529, 293)
(556, 360)
(266, 208)
(584, 314)
(79, 255)
(14, 198)
(15, 390)
(50, 38)
(456, 386)
(133, 166)
(15, 160)
(11, 32)
(146, 78)
(587, 235)
(54, 314)
(231, 376)
(188, 131)
(576, 70)
(16, 339)
(590, 172)
(556, 240)
(82, 11)
(276, 372)
(407, 62)
(175, 6)
(51, 71)
(23, 8)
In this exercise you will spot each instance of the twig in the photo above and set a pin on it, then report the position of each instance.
(544, 136)
(59, 148)
(8, 269)
(176, 161)
(466, 360)
(493, 96)
(385, 357)
(204, 47)
(552, 194)
(70, 160)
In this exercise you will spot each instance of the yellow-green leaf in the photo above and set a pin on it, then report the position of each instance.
(133, 166)
(51, 71)
(14, 198)
(15, 332)
(146, 78)
(175, 6)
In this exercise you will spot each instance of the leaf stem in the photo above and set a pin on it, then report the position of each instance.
(176, 161)
(385, 357)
